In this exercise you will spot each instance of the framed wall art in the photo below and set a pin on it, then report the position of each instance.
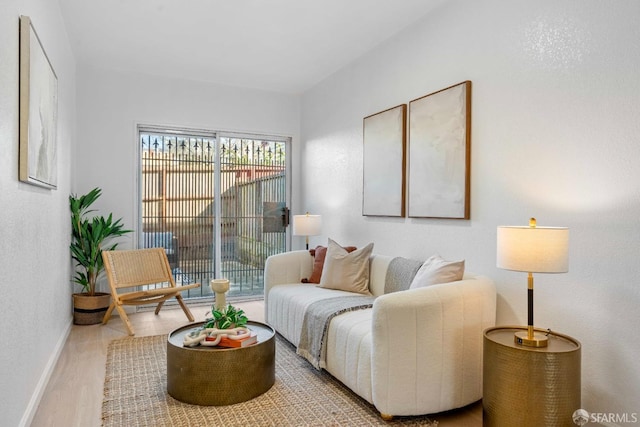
(439, 153)
(38, 111)
(384, 139)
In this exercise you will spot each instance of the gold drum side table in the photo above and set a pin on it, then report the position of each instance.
(528, 386)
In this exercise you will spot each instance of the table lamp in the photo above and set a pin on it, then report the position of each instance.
(307, 225)
(532, 249)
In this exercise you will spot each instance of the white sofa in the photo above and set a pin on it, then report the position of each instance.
(417, 351)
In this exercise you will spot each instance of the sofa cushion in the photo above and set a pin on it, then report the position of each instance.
(349, 351)
(319, 254)
(436, 270)
(347, 271)
(288, 303)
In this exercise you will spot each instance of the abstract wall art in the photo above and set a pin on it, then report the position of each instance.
(439, 153)
(38, 111)
(384, 137)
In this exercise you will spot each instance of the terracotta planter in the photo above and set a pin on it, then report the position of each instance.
(89, 310)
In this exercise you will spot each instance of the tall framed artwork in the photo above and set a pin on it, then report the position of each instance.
(38, 111)
(439, 153)
(384, 157)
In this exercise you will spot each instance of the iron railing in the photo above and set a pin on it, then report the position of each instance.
(178, 186)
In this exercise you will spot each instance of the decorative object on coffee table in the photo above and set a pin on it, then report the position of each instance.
(211, 337)
(220, 287)
(226, 321)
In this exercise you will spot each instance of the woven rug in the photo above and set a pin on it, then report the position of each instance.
(135, 394)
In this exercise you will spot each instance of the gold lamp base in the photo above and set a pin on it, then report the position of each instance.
(530, 339)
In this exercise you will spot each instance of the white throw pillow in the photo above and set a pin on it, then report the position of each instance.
(436, 270)
(346, 271)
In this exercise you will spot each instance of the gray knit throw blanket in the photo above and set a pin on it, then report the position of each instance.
(400, 274)
(313, 337)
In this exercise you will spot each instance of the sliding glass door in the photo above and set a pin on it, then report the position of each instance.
(217, 204)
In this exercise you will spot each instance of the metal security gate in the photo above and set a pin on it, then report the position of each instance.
(214, 221)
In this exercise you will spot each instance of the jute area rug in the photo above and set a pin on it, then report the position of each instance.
(135, 394)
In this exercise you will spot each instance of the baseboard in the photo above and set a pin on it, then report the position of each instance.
(36, 397)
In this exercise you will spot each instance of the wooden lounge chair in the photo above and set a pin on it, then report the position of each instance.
(141, 276)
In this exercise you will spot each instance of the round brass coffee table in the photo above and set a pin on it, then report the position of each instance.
(220, 376)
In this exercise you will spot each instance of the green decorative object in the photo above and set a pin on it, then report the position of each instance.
(229, 317)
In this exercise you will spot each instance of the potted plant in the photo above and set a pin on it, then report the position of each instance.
(88, 237)
(226, 318)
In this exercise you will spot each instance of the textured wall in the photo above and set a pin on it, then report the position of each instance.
(554, 135)
(34, 224)
(112, 103)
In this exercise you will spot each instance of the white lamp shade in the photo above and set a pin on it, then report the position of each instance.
(307, 225)
(533, 249)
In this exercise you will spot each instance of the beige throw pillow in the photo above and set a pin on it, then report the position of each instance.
(318, 254)
(436, 270)
(346, 271)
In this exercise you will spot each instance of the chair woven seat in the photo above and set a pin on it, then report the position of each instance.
(130, 272)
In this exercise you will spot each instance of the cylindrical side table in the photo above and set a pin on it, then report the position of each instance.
(527, 386)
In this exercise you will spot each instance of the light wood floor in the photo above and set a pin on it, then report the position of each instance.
(73, 396)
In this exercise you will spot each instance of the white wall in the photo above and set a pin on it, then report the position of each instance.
(34, 224)
(555, 108)
(111, 104)
(554, 134)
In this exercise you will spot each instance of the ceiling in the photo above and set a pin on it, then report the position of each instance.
(278, 45)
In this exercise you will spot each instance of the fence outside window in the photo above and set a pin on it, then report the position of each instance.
(180, 184)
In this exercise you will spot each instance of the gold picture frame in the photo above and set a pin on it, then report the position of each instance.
(440, 153)
(38, 111)
(384, 158)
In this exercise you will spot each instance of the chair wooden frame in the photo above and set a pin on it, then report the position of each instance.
(138, 268)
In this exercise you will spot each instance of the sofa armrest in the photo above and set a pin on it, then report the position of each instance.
(427, 346)
(285, 268)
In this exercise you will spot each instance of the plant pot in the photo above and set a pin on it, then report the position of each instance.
(90, 310)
